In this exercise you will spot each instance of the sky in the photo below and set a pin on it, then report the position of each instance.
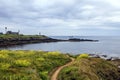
(61, 17)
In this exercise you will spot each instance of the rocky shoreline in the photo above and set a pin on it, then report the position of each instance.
(10, 42)
(113, 60)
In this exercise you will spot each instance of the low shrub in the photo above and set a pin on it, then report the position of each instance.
(29, 65)
(44, 75)
(22, 63)
(4, 66)
(40, 59)
(54, 53)
(83, 56)
(3, 56)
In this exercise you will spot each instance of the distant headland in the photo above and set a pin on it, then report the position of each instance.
(10, 38)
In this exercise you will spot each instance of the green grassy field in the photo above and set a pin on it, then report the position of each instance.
(85, 68)
(39, 65)
(29, 65)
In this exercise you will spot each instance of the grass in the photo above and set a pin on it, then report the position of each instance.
(38, 65)
(22, 63)
(4, 66)
(86, 68)
(29, 65)
(14, 36)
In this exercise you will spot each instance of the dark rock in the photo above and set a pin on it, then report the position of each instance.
(104, 56)
(109, 59)
(76, 39)
(115, 58)
(94, 55)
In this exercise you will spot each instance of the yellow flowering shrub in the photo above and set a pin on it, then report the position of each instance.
(31, 52)
(24, 53)
(22, 63)
(20, 54)
(40, 59)
(29, 64)
(4, 51)
(4, 66)
(3, 56)
(83, 56)
(55, 53)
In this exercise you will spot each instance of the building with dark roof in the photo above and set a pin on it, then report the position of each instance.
(10, 32)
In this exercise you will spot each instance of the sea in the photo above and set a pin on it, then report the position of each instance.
(107, 45)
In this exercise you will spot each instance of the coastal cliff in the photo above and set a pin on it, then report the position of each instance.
(8, 40)
(12, 39)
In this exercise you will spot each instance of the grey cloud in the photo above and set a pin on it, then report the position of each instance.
(60, 14)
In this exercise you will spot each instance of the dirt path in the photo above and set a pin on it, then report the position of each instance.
(55, 74)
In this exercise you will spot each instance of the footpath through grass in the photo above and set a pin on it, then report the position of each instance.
(86, 68)
(29, 65)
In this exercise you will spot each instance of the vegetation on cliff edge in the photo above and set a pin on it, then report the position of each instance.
(14, 36)
(85, 68)
(29, 65)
